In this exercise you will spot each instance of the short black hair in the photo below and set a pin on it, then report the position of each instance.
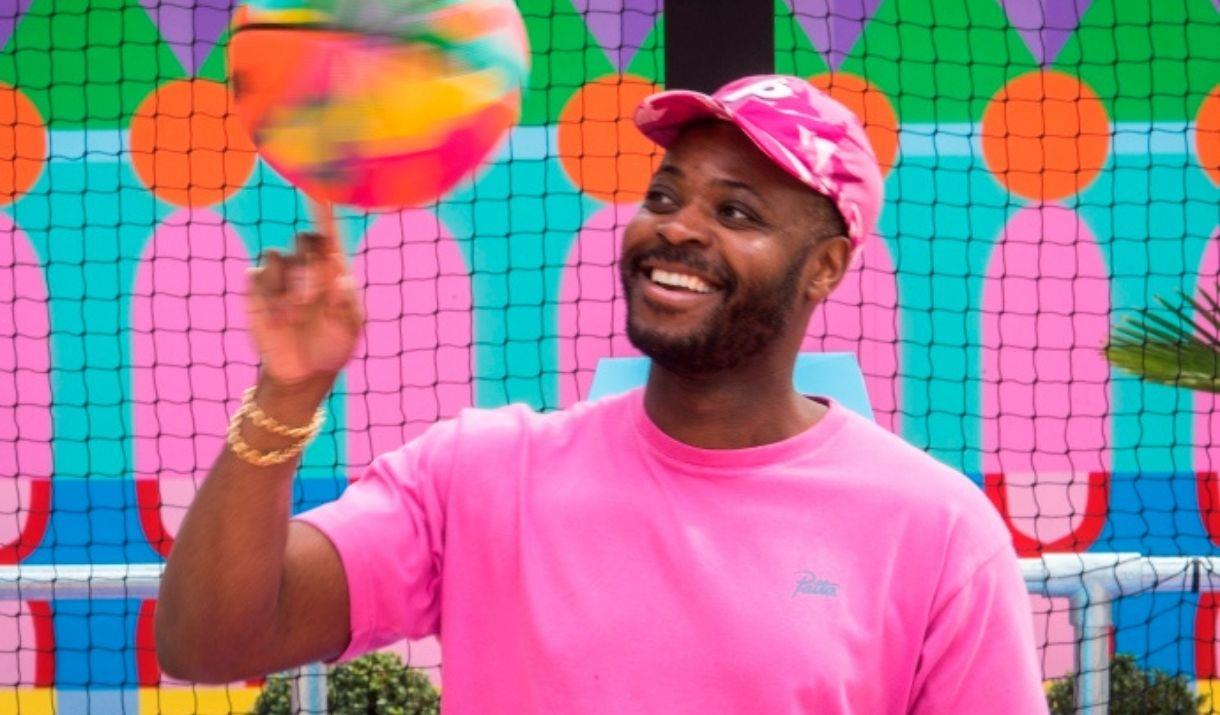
(825, 217)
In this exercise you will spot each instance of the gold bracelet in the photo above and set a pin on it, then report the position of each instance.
(262, 420)
(253, 456)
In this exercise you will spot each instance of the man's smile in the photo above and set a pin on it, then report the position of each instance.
(669, 286)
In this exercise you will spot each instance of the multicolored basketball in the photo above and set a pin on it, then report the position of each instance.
(378, 103)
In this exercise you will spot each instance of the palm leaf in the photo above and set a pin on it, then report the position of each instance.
(1177, 346)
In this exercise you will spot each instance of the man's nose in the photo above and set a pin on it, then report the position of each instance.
(685, 226)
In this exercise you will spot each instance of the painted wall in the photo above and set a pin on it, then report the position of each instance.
(1046, 170)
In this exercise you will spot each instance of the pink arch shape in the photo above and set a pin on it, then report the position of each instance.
(1046, 426)
(192, 358)
(414, 364)
(27, 645)
(1207, 413)
(1054, 636)
(592, 308)
(26, 457)
(861, 317)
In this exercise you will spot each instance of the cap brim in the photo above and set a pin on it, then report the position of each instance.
(662, 116)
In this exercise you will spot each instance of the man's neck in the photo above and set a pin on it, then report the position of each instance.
(730, 410)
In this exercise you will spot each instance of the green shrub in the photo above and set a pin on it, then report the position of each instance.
(374, 684)
(1133, 691)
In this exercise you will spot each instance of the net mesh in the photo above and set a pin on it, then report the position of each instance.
(1050, 167)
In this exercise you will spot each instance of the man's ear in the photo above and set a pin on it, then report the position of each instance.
(829, 262)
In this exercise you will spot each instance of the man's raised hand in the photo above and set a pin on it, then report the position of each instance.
(304, 314)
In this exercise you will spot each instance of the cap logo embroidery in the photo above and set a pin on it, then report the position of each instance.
(821, 148)
(770, 90)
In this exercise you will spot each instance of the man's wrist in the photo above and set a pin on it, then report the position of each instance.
(292, 404)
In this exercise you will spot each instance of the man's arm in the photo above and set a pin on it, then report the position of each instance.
(244, 593)
(978, 654)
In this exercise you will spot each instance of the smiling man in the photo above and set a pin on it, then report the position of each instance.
(713, 543)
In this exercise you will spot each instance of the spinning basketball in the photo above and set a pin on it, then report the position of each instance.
(378, 103)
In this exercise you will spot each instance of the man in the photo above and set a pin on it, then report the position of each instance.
(714, 543)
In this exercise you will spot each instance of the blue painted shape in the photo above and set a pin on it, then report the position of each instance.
(95, 646)
(97, 701)
(1155, 513)
(94, 521)
(97, 521)
(835, 375)
(312, 492)
(1159, 629)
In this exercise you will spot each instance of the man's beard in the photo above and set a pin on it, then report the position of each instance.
(748, 320)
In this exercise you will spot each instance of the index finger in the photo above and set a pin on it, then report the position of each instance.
(324, 220)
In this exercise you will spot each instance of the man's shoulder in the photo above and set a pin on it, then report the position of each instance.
(910, 479)
(512, 423)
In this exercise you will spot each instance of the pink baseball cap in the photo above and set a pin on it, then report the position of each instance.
(799, 127)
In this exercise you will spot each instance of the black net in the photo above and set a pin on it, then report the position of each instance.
(1050, 168)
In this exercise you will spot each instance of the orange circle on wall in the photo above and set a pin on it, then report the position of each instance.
(1045, 135)
(1207, 135)
(599, 146)
(187, 144)
(23, 144)
(871, 106)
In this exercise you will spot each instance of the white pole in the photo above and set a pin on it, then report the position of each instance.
(45, 583)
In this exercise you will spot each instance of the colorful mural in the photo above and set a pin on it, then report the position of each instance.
(1050, 165)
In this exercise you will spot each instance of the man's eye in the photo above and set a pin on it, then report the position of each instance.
(733, 212)
(657, 199)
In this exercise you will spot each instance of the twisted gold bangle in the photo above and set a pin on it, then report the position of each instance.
(253, 456)
(263, 421)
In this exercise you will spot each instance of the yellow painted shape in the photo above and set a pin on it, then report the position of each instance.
(1210, 689)
(185, 700)
(28, 701)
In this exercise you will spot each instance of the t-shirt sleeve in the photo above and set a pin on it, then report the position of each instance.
(978, 653)
(388, 529)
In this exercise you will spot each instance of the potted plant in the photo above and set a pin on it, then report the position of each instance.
(1133, 691)
(373, 684)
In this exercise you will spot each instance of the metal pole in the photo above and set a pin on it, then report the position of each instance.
(1093, 617)
(1091, 582)
(45, 583)
(309, 690)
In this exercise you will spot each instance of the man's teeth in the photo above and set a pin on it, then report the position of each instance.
(680, 280)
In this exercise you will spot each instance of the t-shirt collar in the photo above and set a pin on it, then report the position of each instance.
(798, 445)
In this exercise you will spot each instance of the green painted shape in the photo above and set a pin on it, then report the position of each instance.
(1147, 60)
(216, 65)
(794, 52)
(564, 57)
(649, 60)
(939, 60)
(87, 62)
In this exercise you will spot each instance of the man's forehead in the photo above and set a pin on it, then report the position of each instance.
(720, 147)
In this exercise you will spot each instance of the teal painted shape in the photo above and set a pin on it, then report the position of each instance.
(941, 222)
(88, 223)
(1153, 217)
(834, 375)
(515, 226)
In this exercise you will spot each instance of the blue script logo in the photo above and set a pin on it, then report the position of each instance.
(808, 583)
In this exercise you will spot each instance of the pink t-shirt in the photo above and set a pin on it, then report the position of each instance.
(585, 562)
